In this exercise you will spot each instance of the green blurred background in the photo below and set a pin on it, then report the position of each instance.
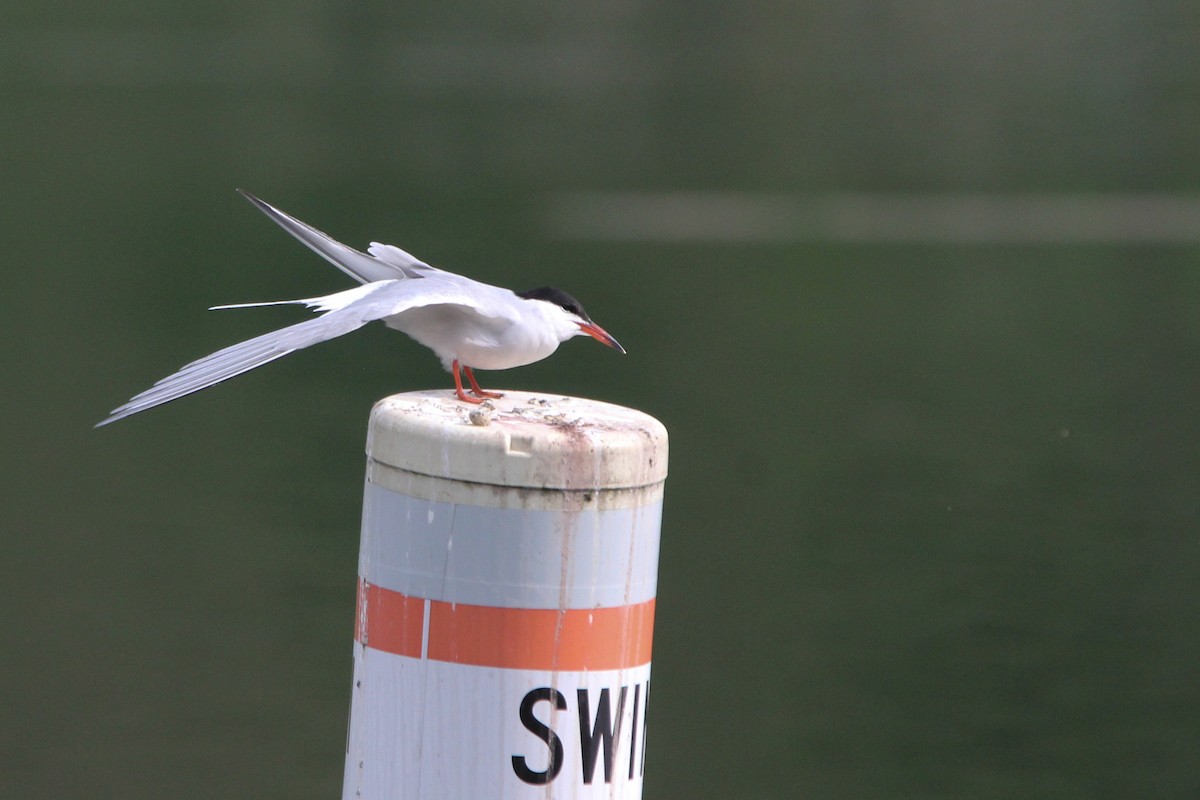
(913, 285)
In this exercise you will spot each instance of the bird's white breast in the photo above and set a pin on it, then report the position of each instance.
(481, 342)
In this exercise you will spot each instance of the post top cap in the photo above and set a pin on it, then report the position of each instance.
(524, 439)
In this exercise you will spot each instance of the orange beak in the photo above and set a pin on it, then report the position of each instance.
(600, 335)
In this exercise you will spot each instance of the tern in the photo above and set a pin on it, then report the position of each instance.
(469, 325)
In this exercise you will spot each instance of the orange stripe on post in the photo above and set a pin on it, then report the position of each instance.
(389, 621)
(572, 640)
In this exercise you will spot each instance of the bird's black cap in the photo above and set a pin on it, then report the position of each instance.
(559, 298)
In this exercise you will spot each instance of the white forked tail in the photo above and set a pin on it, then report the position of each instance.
(308, 303)
(330, 302)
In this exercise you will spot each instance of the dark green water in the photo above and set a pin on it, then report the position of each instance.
(931, 526)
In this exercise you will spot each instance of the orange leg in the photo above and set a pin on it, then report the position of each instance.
(475, 385)
(458, 390)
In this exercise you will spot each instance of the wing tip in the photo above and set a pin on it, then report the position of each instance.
(261, 204)
(111, 418)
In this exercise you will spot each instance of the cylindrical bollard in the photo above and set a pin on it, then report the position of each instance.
(507, 579)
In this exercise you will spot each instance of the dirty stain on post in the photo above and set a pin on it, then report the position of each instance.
(505, 616)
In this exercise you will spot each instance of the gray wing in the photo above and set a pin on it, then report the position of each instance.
(405, 261)
(345, 312)
(391, 264)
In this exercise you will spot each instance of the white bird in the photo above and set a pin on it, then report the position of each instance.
(468, 324)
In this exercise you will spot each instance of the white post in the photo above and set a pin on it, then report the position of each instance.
(507, 578)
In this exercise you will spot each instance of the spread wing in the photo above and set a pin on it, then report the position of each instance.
(384, 261)
(344, 312)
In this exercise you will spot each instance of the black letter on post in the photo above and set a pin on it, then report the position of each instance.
(633, 729)
(543, 732)
(603, 730)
